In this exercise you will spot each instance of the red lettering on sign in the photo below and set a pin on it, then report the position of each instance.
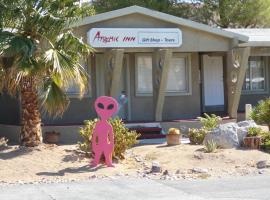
(105, 39)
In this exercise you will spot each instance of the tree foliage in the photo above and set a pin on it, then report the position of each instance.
(36, 41)
(221, 13)
(235, 13)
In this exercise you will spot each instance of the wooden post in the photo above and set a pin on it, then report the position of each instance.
(161, 63)
(113, 71)
(236, 70)
(118, 55)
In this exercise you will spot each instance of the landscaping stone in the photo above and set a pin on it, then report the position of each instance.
(230, 135)
(156, 168)
(263, 164)
(199, 170)
(243, 127)
(225, 136)
(166, 172)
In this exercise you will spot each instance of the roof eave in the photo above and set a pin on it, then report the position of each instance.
(161, 16)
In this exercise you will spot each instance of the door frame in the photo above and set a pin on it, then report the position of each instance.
(213, 109)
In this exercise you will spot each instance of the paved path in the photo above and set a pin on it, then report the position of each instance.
(244, 188)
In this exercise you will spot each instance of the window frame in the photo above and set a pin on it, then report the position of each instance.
(137, 92)
(188, 77)
(186, 56)
(88, 94)
(260, 91)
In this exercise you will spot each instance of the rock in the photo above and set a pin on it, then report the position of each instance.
(156, 168)
(138, 159)
(198, 156)
(166, 172)
(199, 170)
(93, 177)
(263, 164)
(178, 171)
(230, 135)
(225, 136)
(242, 129)
(247, 123)
(261, 171)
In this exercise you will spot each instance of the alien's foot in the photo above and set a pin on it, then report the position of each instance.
(93, 164)
(110, 165)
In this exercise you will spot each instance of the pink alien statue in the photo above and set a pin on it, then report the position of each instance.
(105, 107)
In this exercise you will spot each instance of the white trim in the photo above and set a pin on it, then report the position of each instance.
(161, 16)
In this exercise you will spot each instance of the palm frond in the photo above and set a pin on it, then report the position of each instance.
(54, 100)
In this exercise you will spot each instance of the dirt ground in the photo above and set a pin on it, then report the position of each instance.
(52, 163)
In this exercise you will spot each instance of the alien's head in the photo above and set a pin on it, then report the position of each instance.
(105, 107)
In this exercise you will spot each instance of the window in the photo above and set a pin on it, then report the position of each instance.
(144, 84)
(178, 77)
(255, 78)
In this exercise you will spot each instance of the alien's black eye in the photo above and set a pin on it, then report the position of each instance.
(110, 106)
(100, 105)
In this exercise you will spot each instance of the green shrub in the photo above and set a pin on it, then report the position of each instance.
(196, 136)
(261, 113)
(265, 136)
(210, 146)
(209, 122)
(123, 138)
(254, 131)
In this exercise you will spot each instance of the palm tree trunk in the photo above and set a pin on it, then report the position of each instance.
(31, 133)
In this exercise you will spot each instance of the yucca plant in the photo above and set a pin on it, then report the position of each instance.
(40, 57)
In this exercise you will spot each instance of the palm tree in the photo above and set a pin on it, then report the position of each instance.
(40, 57)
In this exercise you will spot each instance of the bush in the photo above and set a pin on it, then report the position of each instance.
(3, 143)
(210, 146)
(196, 136)
(261, 113)
(123, 138)
(265, 136)
(209, 122)
(254, 131)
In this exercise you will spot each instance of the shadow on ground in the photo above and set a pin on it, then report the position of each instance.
(7, 153)
(83, 169)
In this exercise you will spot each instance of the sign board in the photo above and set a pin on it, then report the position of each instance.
(134, 37)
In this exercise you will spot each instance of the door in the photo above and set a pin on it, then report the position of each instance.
(213, 83)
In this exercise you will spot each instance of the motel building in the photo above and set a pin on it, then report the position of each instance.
(170, 68)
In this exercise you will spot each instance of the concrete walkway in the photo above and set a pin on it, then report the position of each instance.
(244, 188)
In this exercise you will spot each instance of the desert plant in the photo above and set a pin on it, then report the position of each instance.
(209, 122)
(254, 131)
(3, 143)
(174, 131)
(40, 58)
(210, 146)
(261, 113)
(196, 136)
(265, 136)
(123, 137)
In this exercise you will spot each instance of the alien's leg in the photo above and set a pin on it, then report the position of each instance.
(108, 155)
(96, 160)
